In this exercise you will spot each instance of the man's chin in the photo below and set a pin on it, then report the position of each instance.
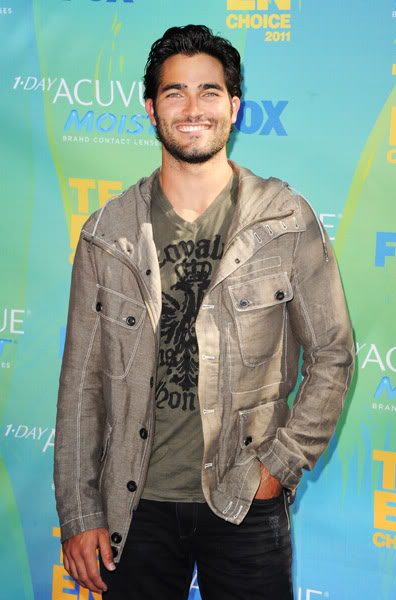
(196, 159)
(192, 157)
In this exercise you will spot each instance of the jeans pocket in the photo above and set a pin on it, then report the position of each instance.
(268, 501)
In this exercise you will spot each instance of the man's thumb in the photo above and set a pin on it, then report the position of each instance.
(106, 552)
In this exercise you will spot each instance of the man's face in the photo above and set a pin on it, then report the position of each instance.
(193, 111)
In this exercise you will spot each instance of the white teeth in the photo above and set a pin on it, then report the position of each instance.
(189, 128)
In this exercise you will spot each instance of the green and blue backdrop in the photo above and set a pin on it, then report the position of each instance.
(319, 110)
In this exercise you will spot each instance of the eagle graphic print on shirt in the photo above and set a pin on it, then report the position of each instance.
(179, 350)
(188, 255)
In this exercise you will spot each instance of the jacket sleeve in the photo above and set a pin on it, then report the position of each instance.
(320, 323)
(81, 416)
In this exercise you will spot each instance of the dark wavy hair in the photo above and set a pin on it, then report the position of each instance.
(190, 40)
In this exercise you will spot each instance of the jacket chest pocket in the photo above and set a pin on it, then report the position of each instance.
(259, 308)
(121, 321)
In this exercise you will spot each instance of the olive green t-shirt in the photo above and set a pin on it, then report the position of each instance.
(188, 254)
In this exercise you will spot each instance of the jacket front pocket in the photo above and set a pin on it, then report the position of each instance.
(258, 427)
(259, 309)
(120, 330)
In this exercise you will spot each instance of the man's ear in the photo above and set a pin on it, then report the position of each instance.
(150, 111)
(235, 105)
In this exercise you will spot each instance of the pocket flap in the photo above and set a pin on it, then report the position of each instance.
(261, 293)
(117, 308)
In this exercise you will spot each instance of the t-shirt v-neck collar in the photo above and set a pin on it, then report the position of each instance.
(168, 210)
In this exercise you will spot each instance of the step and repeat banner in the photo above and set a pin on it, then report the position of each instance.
(319, 110)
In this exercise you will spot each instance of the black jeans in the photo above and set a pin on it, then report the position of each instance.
(250, 561)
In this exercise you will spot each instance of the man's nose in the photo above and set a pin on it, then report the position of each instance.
(193, 107)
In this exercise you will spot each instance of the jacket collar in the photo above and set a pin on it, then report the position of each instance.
(258, 200)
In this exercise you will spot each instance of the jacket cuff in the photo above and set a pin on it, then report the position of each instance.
(281, 465)
(81, 524)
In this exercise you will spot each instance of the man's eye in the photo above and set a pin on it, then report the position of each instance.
(174, 95)
(211, 94)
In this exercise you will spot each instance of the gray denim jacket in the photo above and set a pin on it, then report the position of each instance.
(276, 288)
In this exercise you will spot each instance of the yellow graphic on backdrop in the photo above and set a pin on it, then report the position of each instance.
(63, 586)
(385, 501)
(105, 189)
(392, 136)
(391, 156)
(259, 20)
(257, 4)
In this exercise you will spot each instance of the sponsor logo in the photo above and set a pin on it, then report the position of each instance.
(261, 14)
(108, 123)
(64, 586)
(371, 355)
(10, 320)
(385, 385)
(261, 118)
(43, 436)
(5, 11)
(84, 92)
(11, 323)
(385, 390)
(385, 501)
(99, 118)
(103, 140)
(382, 247)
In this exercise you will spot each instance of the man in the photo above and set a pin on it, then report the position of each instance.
(192, 294)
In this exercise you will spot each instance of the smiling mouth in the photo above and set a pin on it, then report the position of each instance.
(192, 128)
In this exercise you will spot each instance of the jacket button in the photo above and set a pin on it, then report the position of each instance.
(237, 260)
(114, 551)
(131, 321)
(151, 381)
(131, 485)
(244, 303)
(279, 295)
(148, 272)
(143, 433)
(98, 306)
(248, 440)
(116, 537)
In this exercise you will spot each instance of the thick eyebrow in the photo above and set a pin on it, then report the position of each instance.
(183, 86)
(173, 86)
(211, 86)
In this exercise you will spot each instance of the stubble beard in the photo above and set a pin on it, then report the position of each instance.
(193, 155)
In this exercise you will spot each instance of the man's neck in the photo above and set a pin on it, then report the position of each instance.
(191, 188)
